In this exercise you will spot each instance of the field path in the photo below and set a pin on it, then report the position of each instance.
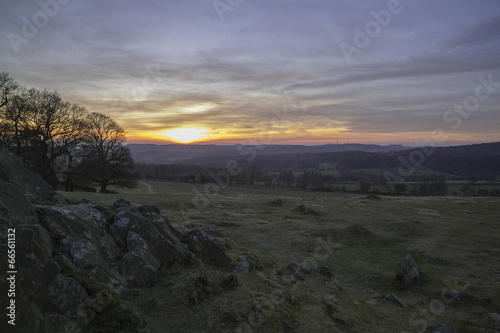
(150, 187)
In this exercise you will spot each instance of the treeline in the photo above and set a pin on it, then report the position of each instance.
(196, 173)
(61, 141)
(449, 160)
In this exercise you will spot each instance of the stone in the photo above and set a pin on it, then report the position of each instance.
(230, 282)
(136, 270)
(278, 202)
(66, 295)
(324, 270)
(243, 266)
(27, 182)
(407, 272)
(395, 299)
(457, 295)
(59, 199)
(204, 247)
(108, 245)
(304, 209)
(299, 273)
(82, 251)
(17, 203)
(122, 203)
(494, 316)
(69, 220)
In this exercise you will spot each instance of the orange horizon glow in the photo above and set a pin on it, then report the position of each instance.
(208, 138)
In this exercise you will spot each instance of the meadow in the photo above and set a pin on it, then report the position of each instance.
(361, 238)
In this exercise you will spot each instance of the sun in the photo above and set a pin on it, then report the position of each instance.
(186, 135)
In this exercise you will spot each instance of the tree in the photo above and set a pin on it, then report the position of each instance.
(400, 187)
(364, 186)
(286, 176)
(107, 161)
(7, 88)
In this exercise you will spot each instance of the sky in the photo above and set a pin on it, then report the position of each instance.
(267, 71)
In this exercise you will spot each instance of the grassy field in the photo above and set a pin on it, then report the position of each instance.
(360, 238)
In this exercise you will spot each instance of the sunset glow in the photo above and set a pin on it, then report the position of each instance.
(186, 135)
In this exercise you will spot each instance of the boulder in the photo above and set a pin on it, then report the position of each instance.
(205, 248)
(407, 272)
(66, 295)
(30, 184)
(242, 267)
(83, 252)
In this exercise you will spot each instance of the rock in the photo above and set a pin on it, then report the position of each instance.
(440, 328)
(494, 316)
(395, 299)
(149, 210)
(69, 253)
(59, 199)
(122, 203)
(17, 203)
(193, 297)
(202, 288)
(83, 252)
(28, 183)
(204, 247)
(230, 282)
(407, 272)
(466, 284)
(304, 209)
(457, 295)
(83, 201)
(294, 265)
(325, 270)
(108, 245)
(242, 267)
(278, 202)
(298, 271)
(136, 270)
(70, 220)
(66, 295)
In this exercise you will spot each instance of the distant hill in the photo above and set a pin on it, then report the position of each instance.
(201, 154)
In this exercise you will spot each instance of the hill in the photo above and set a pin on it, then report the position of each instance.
(199, 154)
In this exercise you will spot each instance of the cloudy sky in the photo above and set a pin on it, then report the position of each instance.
(275, 71)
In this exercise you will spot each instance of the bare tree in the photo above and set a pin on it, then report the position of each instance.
(7, 88)
(107, 162)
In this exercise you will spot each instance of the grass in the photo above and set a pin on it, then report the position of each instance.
(360, 239)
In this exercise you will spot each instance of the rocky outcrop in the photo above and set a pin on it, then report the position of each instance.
(68, 254)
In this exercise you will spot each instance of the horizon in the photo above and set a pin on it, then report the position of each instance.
(280, 72)
(299, 144)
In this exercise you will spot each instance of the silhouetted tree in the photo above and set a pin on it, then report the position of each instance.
(400, 188)
(364, 186)
(107, 161)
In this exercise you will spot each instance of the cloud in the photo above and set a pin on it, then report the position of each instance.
(483, 33)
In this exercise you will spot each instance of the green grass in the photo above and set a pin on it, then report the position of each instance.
(360, 239)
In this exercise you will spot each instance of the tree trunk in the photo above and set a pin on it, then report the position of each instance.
(104, 185)
(69, 174)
